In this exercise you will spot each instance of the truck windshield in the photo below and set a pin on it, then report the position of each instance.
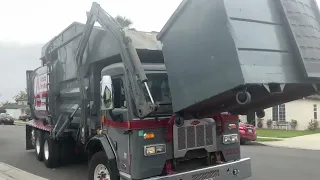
(159, 87)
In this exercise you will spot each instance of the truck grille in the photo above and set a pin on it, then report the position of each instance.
(190, 137)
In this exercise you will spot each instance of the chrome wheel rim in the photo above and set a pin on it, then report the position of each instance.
(101, 172)
(33, 138)
(46, 150)
(38, 146)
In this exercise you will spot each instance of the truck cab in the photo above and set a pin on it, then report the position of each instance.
(149, 147)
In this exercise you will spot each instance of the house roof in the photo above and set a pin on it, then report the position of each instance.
(14, 106)
(315, 96)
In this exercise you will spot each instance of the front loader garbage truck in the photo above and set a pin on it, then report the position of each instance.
(146, 105)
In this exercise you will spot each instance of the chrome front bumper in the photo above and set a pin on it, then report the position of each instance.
(236, 170)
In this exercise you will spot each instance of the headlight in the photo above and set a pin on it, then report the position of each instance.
(230, 138)
(155, 149)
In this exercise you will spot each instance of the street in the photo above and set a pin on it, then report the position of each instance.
(267, 162)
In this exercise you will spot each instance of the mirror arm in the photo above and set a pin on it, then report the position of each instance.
(115, 117)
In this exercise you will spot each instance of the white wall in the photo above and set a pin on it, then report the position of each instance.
(243, 118)
(14, 112)
(300, 110)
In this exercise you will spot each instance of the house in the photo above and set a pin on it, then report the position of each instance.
(302, 110)
(17, 109)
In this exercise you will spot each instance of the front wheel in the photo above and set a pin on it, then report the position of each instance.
(99, 169)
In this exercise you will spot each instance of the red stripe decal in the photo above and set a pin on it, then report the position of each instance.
(138, 124)
(170, 129)
(39, 124)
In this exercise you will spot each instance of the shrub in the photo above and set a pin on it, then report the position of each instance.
(260, 124)
(269, 123)
(313, 125)
(293, 123)
(3, 110)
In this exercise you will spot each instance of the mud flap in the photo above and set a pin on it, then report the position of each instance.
(29, 145)
(302, 19)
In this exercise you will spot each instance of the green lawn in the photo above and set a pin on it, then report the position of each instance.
(283, 133)
(267, 139)
(19, 122)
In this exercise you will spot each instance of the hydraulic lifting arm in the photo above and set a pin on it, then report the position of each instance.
(128, 54)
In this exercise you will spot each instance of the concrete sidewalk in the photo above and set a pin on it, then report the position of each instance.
(8, 172)
(309, 142)
(270, 138)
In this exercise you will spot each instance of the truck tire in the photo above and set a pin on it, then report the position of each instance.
(39, 144)
(50, 152)
(98, 166)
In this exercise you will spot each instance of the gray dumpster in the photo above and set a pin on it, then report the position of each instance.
(227, 55)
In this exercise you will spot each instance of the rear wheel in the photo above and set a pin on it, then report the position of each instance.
(50, 152)
(39, 136)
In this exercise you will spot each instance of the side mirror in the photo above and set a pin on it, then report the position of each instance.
(106, 91)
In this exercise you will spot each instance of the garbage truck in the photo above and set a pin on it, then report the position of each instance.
(165, 105)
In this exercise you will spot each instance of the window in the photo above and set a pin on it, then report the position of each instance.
(315, 112)
(275, 113)
(279, 113)
(160, 90)
(119, 94)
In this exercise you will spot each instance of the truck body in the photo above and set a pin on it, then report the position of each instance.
(147, 105)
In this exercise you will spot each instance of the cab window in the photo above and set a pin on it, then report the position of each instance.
(119, 93)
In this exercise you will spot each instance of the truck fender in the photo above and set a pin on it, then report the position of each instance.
(105, 142)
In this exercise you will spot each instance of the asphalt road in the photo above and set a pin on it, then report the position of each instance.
(267, 163)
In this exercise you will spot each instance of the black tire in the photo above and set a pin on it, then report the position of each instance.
(39, 139)
(52, 160)
(243, 142)
(97, 159)
(67, 154)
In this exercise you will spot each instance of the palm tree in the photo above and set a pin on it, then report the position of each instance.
(123, 21)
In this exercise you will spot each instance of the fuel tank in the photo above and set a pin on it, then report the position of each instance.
(227, 55)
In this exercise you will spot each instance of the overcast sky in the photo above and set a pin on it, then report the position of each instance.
(28, 21)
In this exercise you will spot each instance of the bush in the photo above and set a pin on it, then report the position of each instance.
(269, 123)
(3, 110)
(260, 124)
(293, 123)
(313, 125)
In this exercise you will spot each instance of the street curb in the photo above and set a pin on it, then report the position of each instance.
(255, 143)
(298, 148)
(19, 124)
(261, 137)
